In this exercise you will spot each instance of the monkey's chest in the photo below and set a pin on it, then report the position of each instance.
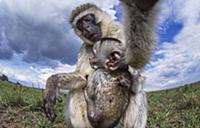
(106, 99)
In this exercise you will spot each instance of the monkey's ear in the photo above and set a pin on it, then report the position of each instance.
(145, 5)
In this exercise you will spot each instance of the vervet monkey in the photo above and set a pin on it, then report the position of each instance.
(109, 86)
(89, 23)
(139, 43)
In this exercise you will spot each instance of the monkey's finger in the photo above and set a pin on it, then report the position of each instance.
(48, 107)
(45, 107)
(50, 113)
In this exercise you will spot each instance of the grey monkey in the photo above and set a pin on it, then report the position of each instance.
(109, 86)
(90, 24)
(138, 25)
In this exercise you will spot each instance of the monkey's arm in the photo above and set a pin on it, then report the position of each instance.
(124, 81)
(60, 81)
(138, 23)
(68, 81)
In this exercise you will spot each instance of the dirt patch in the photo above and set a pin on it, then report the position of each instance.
(7, 120)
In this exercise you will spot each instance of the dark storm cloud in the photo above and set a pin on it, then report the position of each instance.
(39, 40)
(5, 53)
(42, 42)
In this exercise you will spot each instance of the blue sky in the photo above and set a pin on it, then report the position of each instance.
(37, 41)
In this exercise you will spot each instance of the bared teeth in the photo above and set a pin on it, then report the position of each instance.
(117, 56)
(107, 61)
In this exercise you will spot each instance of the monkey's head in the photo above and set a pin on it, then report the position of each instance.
(89, 27)
(108, 53)
(87, 21)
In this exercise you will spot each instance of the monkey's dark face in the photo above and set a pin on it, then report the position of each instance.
(89, 28)
(107, 54)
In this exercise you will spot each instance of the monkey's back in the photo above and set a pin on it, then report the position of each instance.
(107, 99)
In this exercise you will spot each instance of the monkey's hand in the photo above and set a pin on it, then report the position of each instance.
(128, 2)
(144, 5)
(49, 100)
(124, 81)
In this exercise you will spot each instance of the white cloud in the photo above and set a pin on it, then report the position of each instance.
(31, 74)
(45, 9)
(181, 58)
(39, 29)
(31, 28)
(179, 65)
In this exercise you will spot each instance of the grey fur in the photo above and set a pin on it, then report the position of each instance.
(107, 92)
(139, 42)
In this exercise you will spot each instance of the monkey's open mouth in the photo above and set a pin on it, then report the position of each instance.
(112, 65)
(113, 61)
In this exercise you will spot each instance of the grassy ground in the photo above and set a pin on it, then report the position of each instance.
(176, 108)
(21, 108)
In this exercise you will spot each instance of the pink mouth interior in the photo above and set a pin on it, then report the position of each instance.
(113, 66)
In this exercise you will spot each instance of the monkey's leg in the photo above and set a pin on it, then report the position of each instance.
(141, 117)
(136, 113)
(56, 82)
(76, 111)
(138, 81)
(125, 81)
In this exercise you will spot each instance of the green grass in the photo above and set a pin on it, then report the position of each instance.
(175, 108)
(21, 107)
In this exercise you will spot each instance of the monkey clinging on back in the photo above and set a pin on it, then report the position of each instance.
(108, 90)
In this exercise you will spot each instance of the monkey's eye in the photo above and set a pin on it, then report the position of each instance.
(79, 25)
(89, 18)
